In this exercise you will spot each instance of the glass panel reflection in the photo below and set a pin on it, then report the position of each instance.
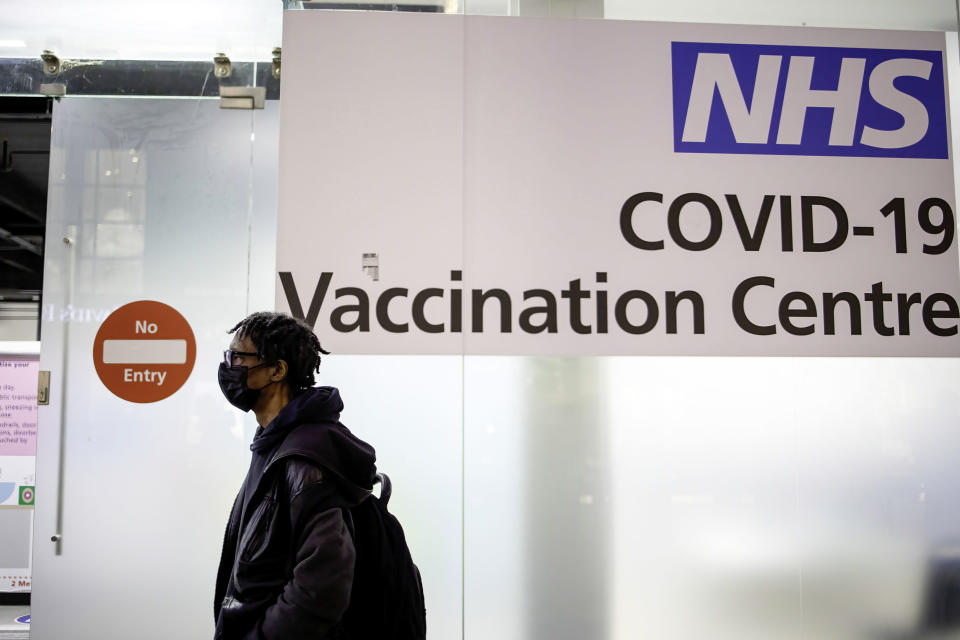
(709, 497)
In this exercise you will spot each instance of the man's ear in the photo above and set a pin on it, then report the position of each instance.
(280, 371)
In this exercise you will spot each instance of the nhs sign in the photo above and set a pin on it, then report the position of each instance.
(810, 101)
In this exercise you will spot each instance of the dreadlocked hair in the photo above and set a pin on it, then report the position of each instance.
(278, 336)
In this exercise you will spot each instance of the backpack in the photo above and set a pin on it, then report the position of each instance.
(386, 601)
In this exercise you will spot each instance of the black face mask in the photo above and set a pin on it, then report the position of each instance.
(233, 383)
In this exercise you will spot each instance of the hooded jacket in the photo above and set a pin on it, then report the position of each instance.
(287, 563)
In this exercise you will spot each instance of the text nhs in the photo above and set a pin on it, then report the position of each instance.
(813, 101)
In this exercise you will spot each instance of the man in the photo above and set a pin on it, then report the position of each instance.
(288, 557)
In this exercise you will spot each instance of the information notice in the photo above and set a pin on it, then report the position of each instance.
(18, 407)
(18, 445)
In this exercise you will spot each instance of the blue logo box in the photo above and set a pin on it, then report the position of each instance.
(810, 101)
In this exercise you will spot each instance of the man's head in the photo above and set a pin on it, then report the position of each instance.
(287, 349)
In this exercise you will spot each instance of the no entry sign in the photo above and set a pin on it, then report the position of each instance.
(144, 351)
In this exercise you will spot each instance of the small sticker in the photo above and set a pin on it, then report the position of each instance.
(24, 619)
(371, 266)
(26, 495)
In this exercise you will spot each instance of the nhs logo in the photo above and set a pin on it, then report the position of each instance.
(810, 101)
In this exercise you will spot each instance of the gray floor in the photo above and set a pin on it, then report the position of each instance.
(10, 629)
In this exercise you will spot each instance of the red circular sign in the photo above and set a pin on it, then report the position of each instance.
(144, 351)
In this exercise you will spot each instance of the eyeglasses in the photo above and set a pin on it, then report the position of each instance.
(229, 355)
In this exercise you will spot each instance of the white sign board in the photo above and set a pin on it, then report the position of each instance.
(467, 184)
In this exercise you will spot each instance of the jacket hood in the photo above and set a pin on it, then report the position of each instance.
(309, 426)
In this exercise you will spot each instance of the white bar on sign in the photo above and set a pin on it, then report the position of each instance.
(144, 351)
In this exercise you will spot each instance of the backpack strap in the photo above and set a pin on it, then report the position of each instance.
(386, 487)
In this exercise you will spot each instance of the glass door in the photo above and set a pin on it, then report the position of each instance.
(150, 199)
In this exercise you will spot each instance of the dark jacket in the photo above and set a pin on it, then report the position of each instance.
(287, 562)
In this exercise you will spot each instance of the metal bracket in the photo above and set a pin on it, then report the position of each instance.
(242, 97)
(221, 66)
(51, 63)
(53, 89)
(43, 388)
(275, 72)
